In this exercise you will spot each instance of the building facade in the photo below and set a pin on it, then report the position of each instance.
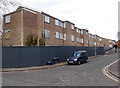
(18, 25)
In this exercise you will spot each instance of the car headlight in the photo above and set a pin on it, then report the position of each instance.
(75, 59)
(67, 59)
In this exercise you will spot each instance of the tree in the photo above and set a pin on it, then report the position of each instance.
(7, 6)
(33, 40)
(42, 40)
(29, 41)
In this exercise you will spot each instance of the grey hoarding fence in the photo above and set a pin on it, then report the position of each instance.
(38, 56)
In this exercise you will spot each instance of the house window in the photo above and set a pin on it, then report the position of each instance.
(77, 30)
(57, 22)
(86, 33)
(47, 34)
(61, 36)
(72, 38)
(7, 31)
(57, 35)
(60, 24)
(72, 26)
(81, 31)
(95, 43)
(77, 39)
(94, 36)
(81, 40)
(64, 25)
(7, 19)
(100, 39)
(64, 36)
(47, 19)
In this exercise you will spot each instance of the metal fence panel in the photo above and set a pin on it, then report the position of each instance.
(37, 56)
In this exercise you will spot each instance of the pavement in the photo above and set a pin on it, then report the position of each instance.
(37, 67)
(113, 69)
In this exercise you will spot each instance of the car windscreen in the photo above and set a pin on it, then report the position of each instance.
(76, 54)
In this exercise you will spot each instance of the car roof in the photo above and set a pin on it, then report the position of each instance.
(81, 51)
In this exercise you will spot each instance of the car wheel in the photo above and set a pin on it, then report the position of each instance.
(85, 61)
(68, 63)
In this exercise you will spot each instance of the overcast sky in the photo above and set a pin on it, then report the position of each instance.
(99, 15)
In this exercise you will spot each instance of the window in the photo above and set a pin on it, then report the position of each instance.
(60, 24)
(81, 40)
(72, 38)
(77, 30)
(94, 36)
(7, 19)
(81, 31)
(47, 19)
(47, 34)
(64, 25)
(72, 26)
(86, 33)
(56, 22)
(61, 36)
(57, 35)
(64, 36)
(77, 39)
(7, 31)
(100, 39)
(95, 43)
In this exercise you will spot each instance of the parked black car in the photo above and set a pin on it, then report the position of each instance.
(78, 57)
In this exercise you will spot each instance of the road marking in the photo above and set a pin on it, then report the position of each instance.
(108, 74)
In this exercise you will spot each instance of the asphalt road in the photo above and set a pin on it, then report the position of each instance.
(88, 74)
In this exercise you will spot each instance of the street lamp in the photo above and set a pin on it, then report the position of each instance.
(95, 43)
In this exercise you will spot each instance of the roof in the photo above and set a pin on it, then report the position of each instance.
(81, 51)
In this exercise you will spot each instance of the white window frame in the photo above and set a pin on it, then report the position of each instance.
(57, 35)
(61, 36)
(64, 37)
(64, 25)
(77, 30)
(60, 24)
(77, 39)
(72, 26)
(56, 22)
(7, 19)
(95, 43)
(81, 31)
(7, 30)
(82, 40)
(72, 38)
(47, 19)
(47, 33)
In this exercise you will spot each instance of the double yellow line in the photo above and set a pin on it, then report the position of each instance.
(106, 72)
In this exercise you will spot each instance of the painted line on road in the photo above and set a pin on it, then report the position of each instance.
(108, 74)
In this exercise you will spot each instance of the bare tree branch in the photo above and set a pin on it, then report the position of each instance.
(7, 6)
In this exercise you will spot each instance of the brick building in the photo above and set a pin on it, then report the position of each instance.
(19, 24)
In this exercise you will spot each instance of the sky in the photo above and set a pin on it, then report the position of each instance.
(98, 16)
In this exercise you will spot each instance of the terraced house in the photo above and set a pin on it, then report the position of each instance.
(19, 24)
